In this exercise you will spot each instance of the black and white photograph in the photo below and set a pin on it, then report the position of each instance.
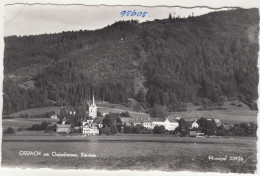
(163, 88)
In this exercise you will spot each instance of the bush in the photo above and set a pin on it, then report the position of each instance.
(99, 114)
(127, 129)
(9, 130)
(159, 129)
(35, 127)
(136, 130)
(233, 104)
(125, 114)
(38, 127)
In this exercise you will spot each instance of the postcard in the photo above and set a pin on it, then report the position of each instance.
(130, 87)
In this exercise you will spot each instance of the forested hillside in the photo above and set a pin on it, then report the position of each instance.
(203, 60)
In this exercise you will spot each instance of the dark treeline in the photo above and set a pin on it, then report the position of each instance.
(204, 60)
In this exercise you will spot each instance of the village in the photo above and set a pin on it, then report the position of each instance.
(95, 123)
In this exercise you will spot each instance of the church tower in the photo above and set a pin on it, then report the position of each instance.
(92, 108)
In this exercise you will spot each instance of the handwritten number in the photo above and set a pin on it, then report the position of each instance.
(134, 13)
(139, 14)
(123, 13)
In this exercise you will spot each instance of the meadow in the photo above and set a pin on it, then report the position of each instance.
(132, 152)
(24, 123)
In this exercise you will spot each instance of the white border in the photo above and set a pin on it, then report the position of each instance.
(184, 3)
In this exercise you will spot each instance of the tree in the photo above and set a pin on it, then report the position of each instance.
(208, 127)
(170, 16)
(183, 127)
(99, 114)
(159, 129)
(44, 125)
(125, 114)
(136, 129)
(10, 130)
(113, 122)
(159, 111)
(127, 129)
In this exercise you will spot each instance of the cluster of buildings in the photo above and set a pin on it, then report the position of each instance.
(88, 126)
(169, 123)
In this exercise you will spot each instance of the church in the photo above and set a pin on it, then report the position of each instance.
(92, 110)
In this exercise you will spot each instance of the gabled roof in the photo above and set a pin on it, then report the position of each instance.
(173, 121)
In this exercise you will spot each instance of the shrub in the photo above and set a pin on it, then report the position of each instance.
(136, 130)
(10, 130)
(125, 114)
(240, 105)
(99, 114)
(159, 129)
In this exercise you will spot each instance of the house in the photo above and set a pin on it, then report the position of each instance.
(147, 123)
(63, 128)
(137, 121)
(193, 133)
(178, 118)
(200, 135)
(169, 124)
(64, 120)
(194, 125)
(90, 120)
(217, 121)
(90, 130)
(54, 116)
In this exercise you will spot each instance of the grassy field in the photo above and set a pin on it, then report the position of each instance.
(24, 123)
(232, 114)
(133, 152)
(37, 111)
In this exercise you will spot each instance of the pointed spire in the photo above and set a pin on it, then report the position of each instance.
(93, 102)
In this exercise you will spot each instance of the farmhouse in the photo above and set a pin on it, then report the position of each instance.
(63, 128)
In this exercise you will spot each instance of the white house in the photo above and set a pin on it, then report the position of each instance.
(194, 125)
(90, 130)
(169, 124)
(147, 123)
(54, 116)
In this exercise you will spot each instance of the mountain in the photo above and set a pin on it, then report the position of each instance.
(204, 60)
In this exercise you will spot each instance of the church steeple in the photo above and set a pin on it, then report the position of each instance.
(93, 108)
(93, 101)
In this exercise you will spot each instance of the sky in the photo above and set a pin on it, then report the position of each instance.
(23, 20)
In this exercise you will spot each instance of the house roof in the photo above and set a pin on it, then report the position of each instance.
(157, 120)
(98, 119)
(93, 127)
(64, 125)
(173, 121)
